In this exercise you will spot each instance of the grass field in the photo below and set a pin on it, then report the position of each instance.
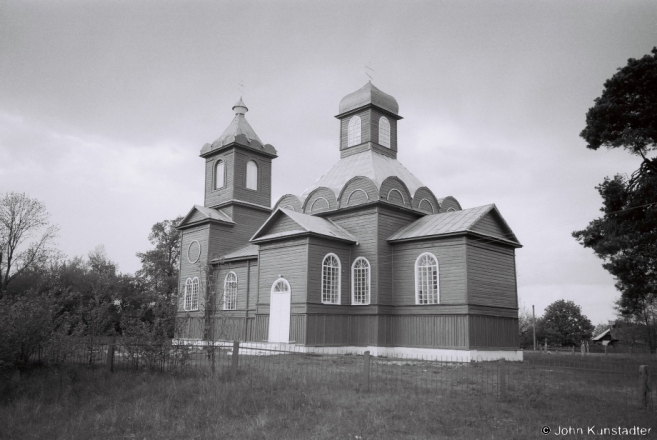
(299, 400)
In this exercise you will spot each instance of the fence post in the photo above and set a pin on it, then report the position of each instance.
(572, 349)
(502, 379)
(236, 353)
(644, 385)
(366, 371)
(605, 350)
(213, 359)
(110, 358)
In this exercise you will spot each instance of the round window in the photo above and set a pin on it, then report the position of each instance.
(194, 252)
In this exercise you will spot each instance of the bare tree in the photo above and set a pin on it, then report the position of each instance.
(25, 236)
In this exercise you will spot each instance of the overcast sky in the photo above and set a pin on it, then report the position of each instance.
(104, 107)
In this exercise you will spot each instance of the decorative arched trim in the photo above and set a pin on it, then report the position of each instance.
(331, 279)
(190, 302)
(281, 285)
(427, 285)
(252, 175)
(219, 174)
(398, 192)
(361, 281)
(419, 205)
(357, 182)
(328, 205)
(189, 257)
(451, 209)
(384, 132)
(354, 131)
(352, 193)
(230, 291)
(289, 207)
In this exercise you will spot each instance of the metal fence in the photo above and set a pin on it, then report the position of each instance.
(623, 383)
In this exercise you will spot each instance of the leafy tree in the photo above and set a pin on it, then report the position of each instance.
(625, 115)
(21, 219)
(625, 237)
(563, 324)
(526, 328)
(159, 270)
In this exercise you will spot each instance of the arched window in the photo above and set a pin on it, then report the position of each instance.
(251, 175)
(353, 131)
(191, 294)
(219, 172)
(426, 279)
(452, 209)
(230, 291)
(331, 279)
(360, 281)
(384, 132)
(280, 286)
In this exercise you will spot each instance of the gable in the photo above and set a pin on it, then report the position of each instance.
(201, 213)
(282, 223)
(492, 225)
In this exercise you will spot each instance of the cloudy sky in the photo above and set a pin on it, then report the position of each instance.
(104, 107)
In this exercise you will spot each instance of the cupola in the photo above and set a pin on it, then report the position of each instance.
(368, 121)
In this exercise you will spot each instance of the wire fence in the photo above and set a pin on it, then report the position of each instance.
(539, 376)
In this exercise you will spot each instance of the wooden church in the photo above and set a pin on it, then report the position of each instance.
(366, 258)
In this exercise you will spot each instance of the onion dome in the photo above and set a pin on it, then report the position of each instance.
(369, 95)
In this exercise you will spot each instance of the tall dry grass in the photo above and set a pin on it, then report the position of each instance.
(78, 403)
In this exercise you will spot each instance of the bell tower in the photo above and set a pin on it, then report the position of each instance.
(238, 166)
(368, 121)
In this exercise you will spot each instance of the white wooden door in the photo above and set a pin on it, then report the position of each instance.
(279, 311)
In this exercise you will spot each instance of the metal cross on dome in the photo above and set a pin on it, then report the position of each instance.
(367, 67)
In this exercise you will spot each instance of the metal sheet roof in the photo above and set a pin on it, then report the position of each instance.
(307, 223)
(374, 166)
(448, 223)
(250, 250)
(214, 214)
(369, 94)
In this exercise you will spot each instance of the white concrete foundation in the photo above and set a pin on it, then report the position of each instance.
(429, 354)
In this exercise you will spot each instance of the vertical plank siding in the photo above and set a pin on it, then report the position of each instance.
(298, 329)
(365, 134)
(431, 331)
(493, 332)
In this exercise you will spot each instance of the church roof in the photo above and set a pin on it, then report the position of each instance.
(372, 165)
(446, 223)
(250, 250)
(369, 94)
(201, 213)
(240, 131)
(306, 224)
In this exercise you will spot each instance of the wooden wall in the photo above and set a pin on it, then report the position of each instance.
(240, 269)
(493, 332)
(235, 160)
(318, 249)
(369, 120)
(389, 222)
(216, 196)
(452, 277)
(320, 200)
(425, 194)
(261, 196)
(288, 258)
(491, 274)
(363, 224)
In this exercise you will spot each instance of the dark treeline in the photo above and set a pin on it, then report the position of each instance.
(48, 299)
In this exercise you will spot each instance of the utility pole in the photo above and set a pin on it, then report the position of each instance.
(534, 326)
